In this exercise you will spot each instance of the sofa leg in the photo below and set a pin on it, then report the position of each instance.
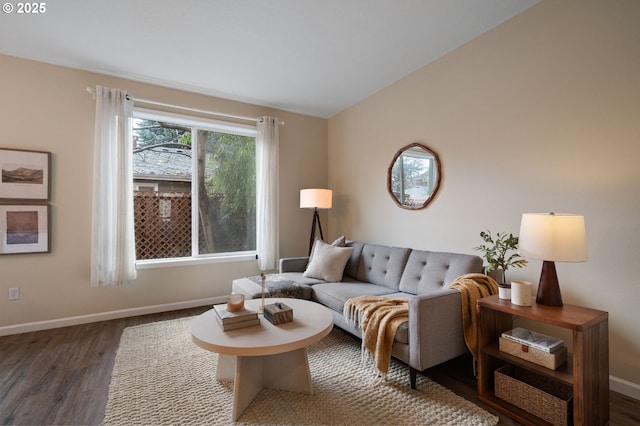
(412, 377)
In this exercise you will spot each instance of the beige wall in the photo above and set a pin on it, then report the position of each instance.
(45, 107)
(540, 114)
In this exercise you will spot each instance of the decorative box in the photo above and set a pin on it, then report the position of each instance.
(278, 313)
(550, 400)
(551, 360)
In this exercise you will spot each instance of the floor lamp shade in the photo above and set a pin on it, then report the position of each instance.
(552, 237)
(315, 199)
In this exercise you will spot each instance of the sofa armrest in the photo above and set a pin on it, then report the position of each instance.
(293, 264)
(435, 328)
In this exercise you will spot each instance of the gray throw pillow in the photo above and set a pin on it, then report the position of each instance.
(341, 241)
(328, 261)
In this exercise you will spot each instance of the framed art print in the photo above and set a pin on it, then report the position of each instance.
(24, 229)
(25, 175)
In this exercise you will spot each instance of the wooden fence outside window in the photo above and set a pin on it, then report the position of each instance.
(162, 224)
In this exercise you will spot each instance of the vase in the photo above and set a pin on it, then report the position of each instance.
(263, 277)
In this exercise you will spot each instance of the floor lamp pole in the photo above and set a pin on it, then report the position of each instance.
(316, 219)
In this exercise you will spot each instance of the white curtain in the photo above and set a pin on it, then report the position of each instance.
(267, 193)
(112, 237)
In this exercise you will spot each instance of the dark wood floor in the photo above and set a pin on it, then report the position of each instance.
(62, 376)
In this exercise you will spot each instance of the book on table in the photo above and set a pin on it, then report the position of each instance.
(534, 339)
(241, 324)
(234, 320)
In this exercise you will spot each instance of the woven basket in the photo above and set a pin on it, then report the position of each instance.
(548, 360)
(550, 400)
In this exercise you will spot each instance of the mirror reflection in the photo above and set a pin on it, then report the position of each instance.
(413, 177)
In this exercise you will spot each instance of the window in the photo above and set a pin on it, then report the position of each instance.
(194, 187)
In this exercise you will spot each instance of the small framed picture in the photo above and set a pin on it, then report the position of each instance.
(25, 175)
(24, 229)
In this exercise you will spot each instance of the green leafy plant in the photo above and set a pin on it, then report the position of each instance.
(495, 251)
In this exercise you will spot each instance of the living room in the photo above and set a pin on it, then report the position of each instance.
(538, 114)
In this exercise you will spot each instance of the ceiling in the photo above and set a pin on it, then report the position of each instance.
(315, 57)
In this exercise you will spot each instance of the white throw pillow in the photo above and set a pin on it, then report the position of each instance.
(328, 261)
(338, 242)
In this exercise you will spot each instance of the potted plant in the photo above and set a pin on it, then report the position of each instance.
(495, 252)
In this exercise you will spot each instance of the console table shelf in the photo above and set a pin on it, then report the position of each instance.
(587, 371)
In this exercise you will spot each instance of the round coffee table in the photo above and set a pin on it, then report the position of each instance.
(265, 355)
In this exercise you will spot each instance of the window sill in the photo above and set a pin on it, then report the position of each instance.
(189, 261)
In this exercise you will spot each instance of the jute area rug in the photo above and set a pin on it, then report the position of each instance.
(161, 377)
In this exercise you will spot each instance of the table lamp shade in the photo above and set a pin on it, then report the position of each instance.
(315, 198)
(552, 238)
(555, 237)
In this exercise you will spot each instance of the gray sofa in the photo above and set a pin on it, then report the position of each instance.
(434, 332)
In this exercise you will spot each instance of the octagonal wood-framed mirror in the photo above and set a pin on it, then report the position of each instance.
(414, 176)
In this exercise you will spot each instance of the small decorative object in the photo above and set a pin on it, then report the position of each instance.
(278, 313)
(495, 253)
(521, 293)
(553, 237)
(263, 277)
(235, 303)
(504, 291)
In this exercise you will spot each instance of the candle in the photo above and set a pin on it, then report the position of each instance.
(521, 293)
(235, 302)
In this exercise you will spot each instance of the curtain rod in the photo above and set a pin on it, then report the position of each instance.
(202, 111)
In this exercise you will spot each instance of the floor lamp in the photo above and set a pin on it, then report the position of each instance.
(315, 199)
(552, 237)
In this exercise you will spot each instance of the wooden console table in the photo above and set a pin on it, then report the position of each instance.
(587, 371)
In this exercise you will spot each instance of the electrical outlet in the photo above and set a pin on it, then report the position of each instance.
(14, 293)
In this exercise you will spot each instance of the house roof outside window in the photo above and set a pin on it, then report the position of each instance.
(166, 162)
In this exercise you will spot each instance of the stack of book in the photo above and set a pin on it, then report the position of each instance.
(539, 341)
(234, 320)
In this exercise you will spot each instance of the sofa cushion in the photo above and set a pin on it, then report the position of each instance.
(334, 295)
(341, 241)
(351, 270)
(327, 262)
(428, 271)
(382, 265)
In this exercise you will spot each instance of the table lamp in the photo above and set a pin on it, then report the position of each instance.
(315, 199)
(552, 237)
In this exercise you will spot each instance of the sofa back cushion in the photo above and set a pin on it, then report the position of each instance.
(382, 265)
(351, 269)
(428, 271)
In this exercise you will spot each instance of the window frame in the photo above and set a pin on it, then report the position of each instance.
(200, 123)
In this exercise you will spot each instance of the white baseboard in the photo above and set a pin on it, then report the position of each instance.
(624, 387)
(105, 316)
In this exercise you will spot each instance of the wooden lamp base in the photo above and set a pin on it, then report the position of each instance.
(549, 289)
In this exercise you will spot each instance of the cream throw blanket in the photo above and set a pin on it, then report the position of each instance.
(473, 287)
(379, 318)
